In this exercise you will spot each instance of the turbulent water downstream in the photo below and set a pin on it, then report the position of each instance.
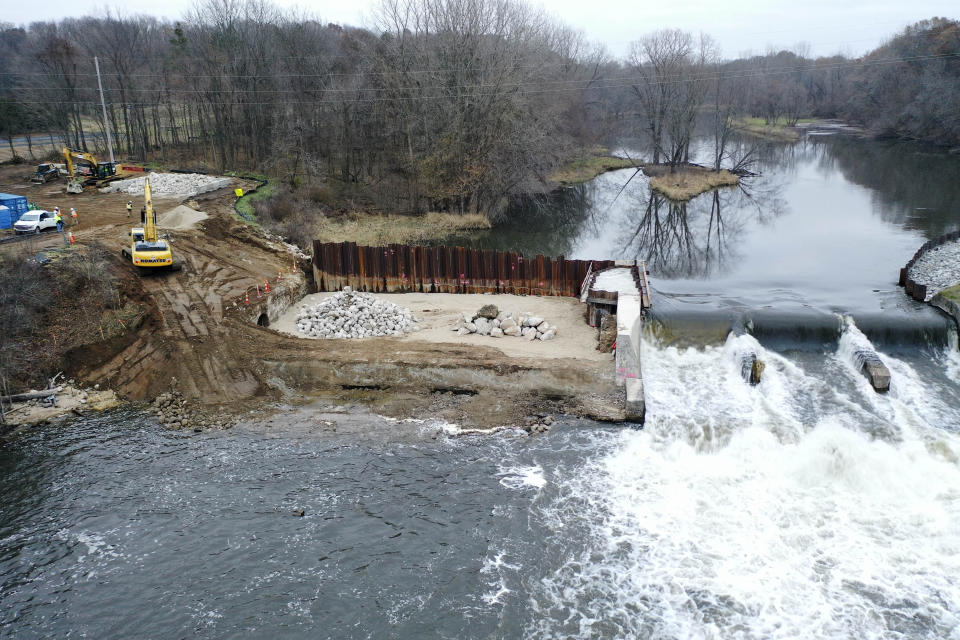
(806, 506)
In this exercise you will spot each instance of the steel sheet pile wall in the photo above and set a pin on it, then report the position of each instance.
(399, 267)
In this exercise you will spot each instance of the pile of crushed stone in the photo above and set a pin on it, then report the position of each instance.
(169, 184)
(938, 268)
(351, 314)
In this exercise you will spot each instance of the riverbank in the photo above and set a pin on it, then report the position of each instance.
(687, 181)
(588, 166)
(376, 230)
(758, 127)
(68, 399)
(331, 214)
(197, 343)
(948, 301)
(938, 269)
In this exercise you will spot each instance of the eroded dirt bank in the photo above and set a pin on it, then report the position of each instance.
(201, 339)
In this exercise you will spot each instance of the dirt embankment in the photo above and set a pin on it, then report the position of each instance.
(199, 338)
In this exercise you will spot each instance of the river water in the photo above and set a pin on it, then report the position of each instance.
(827, 223)
(807, 506)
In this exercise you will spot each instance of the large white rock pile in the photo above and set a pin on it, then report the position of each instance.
(490, 321)
(350, 314)
(169, 184)
(938, 268)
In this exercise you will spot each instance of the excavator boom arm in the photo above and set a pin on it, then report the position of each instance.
(68, 158)
(150, 224)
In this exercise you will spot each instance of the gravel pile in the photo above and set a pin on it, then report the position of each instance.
(170, 184)
(175, 412)
(350, 314)
(938, 268)
(490, 321)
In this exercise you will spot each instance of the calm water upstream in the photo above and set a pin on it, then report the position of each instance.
(807, 506)
(827, 224)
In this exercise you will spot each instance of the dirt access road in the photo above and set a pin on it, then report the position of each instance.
(202, 340)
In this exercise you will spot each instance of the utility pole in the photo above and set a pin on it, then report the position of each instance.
(106, 123)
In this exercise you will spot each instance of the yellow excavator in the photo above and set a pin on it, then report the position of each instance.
(148, 253)
(92, 173)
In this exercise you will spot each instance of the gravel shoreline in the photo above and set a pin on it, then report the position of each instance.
(938, 268)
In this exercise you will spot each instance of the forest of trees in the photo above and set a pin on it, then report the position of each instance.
(451, 105)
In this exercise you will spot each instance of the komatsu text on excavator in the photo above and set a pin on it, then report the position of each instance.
(148, 253)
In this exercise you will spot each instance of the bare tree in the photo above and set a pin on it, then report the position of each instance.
(673, 69)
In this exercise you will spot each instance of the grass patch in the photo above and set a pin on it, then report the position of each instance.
(778, 132)
(377, 230)
(688, 181)
(952, 293)
(781, 122)
(245, 205)
(588, 166)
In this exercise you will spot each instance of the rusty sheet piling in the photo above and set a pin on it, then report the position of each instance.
(405, 268)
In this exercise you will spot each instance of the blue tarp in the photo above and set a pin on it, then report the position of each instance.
(16, 207)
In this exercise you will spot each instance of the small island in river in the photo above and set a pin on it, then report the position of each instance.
(683, 182)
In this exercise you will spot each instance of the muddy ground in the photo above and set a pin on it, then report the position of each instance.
(200, 338)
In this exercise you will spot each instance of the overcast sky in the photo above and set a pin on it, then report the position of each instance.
(851, 27)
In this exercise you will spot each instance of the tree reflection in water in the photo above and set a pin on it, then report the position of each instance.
(696, 238)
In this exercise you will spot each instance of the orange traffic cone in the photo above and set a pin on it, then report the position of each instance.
(246, 298)
(266, 286)
(72, 239)
(279, 275)
(294, 266)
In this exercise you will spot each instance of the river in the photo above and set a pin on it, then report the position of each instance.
(807, 506)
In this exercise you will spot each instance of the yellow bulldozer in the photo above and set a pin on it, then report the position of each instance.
(148, 252)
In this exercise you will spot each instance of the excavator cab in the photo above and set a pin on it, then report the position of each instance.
(105, 170)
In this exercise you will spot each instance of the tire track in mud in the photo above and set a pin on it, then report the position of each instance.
(192, 314)
(193, 341)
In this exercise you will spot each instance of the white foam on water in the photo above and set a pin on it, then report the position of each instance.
(952, 357)
(523, 476)
(732, 515)
(909, 407)
(97, 548)
(497, 568)
(952, 365)
(204, 617)
(678, 382)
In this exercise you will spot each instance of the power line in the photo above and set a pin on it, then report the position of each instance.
(543, 65)
(271, 76)
(522, 88)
